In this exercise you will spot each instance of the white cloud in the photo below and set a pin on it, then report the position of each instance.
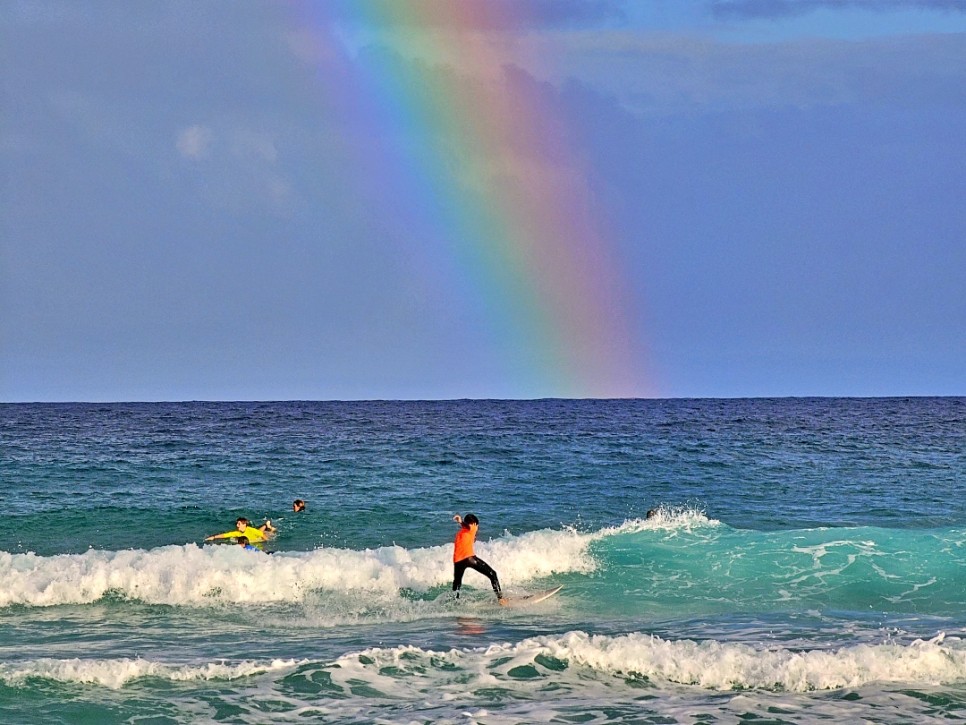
(193, 142)
(239, 167)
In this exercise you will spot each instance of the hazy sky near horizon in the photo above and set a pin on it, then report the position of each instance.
(384, 199)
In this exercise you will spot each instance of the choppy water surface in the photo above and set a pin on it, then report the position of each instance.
(807, 562)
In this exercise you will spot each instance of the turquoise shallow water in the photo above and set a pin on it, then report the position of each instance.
(807, 561)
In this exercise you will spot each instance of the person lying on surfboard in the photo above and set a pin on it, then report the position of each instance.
(464, 558)
(244, 528)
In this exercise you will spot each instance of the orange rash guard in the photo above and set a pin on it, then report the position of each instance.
(465, 537)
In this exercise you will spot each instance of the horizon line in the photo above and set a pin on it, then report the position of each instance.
(480, 400)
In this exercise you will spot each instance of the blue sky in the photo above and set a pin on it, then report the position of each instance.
(782, 182)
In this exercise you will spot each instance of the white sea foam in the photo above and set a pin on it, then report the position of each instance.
(711, 665)
(115, 673)
(192, 575)
(666, 519)
(576, 664)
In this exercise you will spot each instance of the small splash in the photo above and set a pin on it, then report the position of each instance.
(666, 517)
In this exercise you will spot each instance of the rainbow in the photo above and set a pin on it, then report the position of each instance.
(473, 148)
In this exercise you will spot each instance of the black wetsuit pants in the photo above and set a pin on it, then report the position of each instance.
(472, 562)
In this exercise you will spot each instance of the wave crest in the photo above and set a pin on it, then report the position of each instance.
(115, 673)
(192, 575)
(709, 664)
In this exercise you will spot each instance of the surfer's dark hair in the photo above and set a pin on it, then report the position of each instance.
(470, 519)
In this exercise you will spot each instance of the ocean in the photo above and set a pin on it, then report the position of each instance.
(806, 562)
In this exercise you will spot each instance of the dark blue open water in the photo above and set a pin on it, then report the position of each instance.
(808, 561)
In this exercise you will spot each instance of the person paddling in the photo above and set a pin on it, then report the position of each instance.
(464, 558)
(244, 528)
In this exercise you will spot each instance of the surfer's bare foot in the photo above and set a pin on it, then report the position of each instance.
(503, 601)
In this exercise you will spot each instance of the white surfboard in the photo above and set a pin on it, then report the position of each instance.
(529, 599)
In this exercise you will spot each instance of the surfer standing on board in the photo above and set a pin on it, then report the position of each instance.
(464, 558)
